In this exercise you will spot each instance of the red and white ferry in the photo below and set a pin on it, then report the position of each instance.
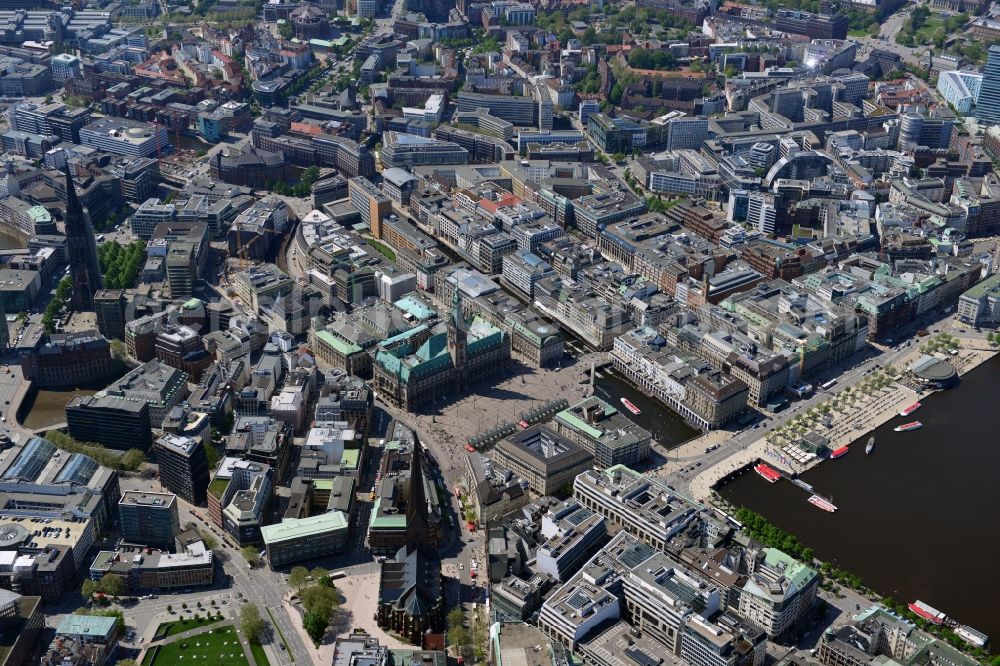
(906, 427)
(909, 410)
(822, 503)
(631, 407)
(842, 451)
(770, 474)
(928, 612)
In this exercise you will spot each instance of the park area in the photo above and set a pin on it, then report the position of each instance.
(168, 629)
(218, 647)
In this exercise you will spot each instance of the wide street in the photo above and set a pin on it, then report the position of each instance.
(384, 25)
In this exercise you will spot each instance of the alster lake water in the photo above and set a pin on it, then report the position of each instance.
(919, 518)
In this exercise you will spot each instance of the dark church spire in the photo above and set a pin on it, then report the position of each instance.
(416, 504)
(84, 268)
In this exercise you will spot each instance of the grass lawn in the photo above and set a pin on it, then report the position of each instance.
(384, 250)
(218, 486)
(171, 628)
(259, 655)
(927, 30)
(209, 647)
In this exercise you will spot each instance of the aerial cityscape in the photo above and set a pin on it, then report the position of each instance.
(499, 332)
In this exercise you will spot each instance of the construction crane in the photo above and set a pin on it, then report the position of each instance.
(242, 248)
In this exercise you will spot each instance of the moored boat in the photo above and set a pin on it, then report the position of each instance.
(972, 636)
(631, 407)
(870, 446)
(909, 410)
(928, 612)
(906, 427)
(767, 472)
(822, 503)
(842, 451)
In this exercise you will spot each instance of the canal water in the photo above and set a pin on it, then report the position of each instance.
(188, 142)
(49, 407)
(8, 242)
(919, 518)
(669, 429)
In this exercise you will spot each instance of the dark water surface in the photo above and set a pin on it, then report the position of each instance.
(10, 242)
(919, 518)
(669, 429)
(49, 407)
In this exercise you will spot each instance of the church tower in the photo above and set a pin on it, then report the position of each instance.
(458, 341)
(81, 246)
(417, 523)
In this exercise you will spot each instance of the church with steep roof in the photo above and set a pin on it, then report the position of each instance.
(411, 587)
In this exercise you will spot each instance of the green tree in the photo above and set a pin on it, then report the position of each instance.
(251, 623)
(459, 638)
(88, 588)
(208, 539)
(113, 585)
(251, 555)
(615, 96)
(212, 454)
(321, 600)
(297, 577)
(315, 625)
(118, 351)
(319, 572)
(456, 618)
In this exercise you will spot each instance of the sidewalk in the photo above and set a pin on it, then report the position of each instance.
(861, 418)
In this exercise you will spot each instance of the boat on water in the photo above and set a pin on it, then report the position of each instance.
(630, 407)
(870, 446)
(972, 636)
(909, 410)
(906, 427)
(838, 453)
(769, 474)
(928, 612)
(822, 503)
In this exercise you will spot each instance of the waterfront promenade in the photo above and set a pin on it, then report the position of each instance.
(850, 423)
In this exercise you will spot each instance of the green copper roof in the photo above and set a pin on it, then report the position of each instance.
(340, 345)
(568, 417)
(297, 528)
(397, 521)
(798, 574)
(39, 214)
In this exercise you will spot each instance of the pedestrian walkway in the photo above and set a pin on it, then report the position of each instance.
(853, 422)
